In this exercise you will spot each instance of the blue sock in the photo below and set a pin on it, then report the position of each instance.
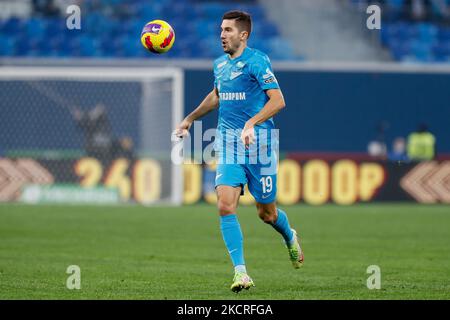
(283, 227)
(232, 236)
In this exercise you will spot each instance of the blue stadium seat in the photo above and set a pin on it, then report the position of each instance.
(442, 51)
(213, 11)
(393, 10)
(22, 44)
(406, 31)
(269, 29)
(86, 46)
(115, 32)
(398, 31)
(7, 46)
(259, 43)
(204, 28)
(148, 11)
(427, 32)
(444, 34)
(184, 49)
(13, 25)
(210, 47)
(55, 26)
(36, 27)
(396, 3)
(281, 48)
(130, 47)
(386, 33)
(422, 50)
(399, 49)
(256, 11)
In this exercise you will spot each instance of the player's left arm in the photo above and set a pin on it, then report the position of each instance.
(271, 108)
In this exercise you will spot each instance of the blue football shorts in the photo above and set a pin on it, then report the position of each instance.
(261, 178)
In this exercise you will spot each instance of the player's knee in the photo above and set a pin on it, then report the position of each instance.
(266, 216)
(225, 207)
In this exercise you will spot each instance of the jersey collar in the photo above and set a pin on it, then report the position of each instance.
(247, 51)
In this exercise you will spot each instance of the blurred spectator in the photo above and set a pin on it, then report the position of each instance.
(53, 7)
(46, 8)
(421, 144)
(377, 147)
(123, 148)
(426, 10)
(398, 152)
(419, 9)
(97, 131)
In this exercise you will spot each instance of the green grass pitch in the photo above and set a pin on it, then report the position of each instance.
(135, 252)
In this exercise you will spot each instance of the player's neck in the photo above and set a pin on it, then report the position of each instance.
(238, 52)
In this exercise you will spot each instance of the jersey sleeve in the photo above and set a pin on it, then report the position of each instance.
(261, 70)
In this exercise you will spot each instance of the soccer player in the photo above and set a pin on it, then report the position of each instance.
(248, 96)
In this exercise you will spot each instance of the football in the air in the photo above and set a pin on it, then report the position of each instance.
(157, 36)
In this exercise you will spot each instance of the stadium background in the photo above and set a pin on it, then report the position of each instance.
(350, 92)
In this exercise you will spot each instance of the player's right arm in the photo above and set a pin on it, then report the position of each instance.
(208, 104)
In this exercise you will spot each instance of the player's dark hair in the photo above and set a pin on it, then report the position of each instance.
(243, 20)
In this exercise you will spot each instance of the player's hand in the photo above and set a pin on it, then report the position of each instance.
(183, 129)
(248, 134)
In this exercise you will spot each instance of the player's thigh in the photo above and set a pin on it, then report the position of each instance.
(232, 175)
(227, 199)
(230, 181)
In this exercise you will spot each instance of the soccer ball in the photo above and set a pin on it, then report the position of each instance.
(157, 36)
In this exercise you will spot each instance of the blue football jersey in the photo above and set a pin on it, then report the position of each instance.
(241, 84)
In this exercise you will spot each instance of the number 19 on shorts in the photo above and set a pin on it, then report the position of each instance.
(266, 183)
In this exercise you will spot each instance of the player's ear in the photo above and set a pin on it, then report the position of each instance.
(244, 35)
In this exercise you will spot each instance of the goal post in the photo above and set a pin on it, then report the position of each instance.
(91, 127)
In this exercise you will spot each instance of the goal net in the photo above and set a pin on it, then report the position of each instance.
(89, 134)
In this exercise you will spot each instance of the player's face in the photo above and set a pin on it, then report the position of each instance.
(231, 36)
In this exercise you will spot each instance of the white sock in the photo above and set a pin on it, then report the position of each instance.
(292, 241)
(240, 268)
